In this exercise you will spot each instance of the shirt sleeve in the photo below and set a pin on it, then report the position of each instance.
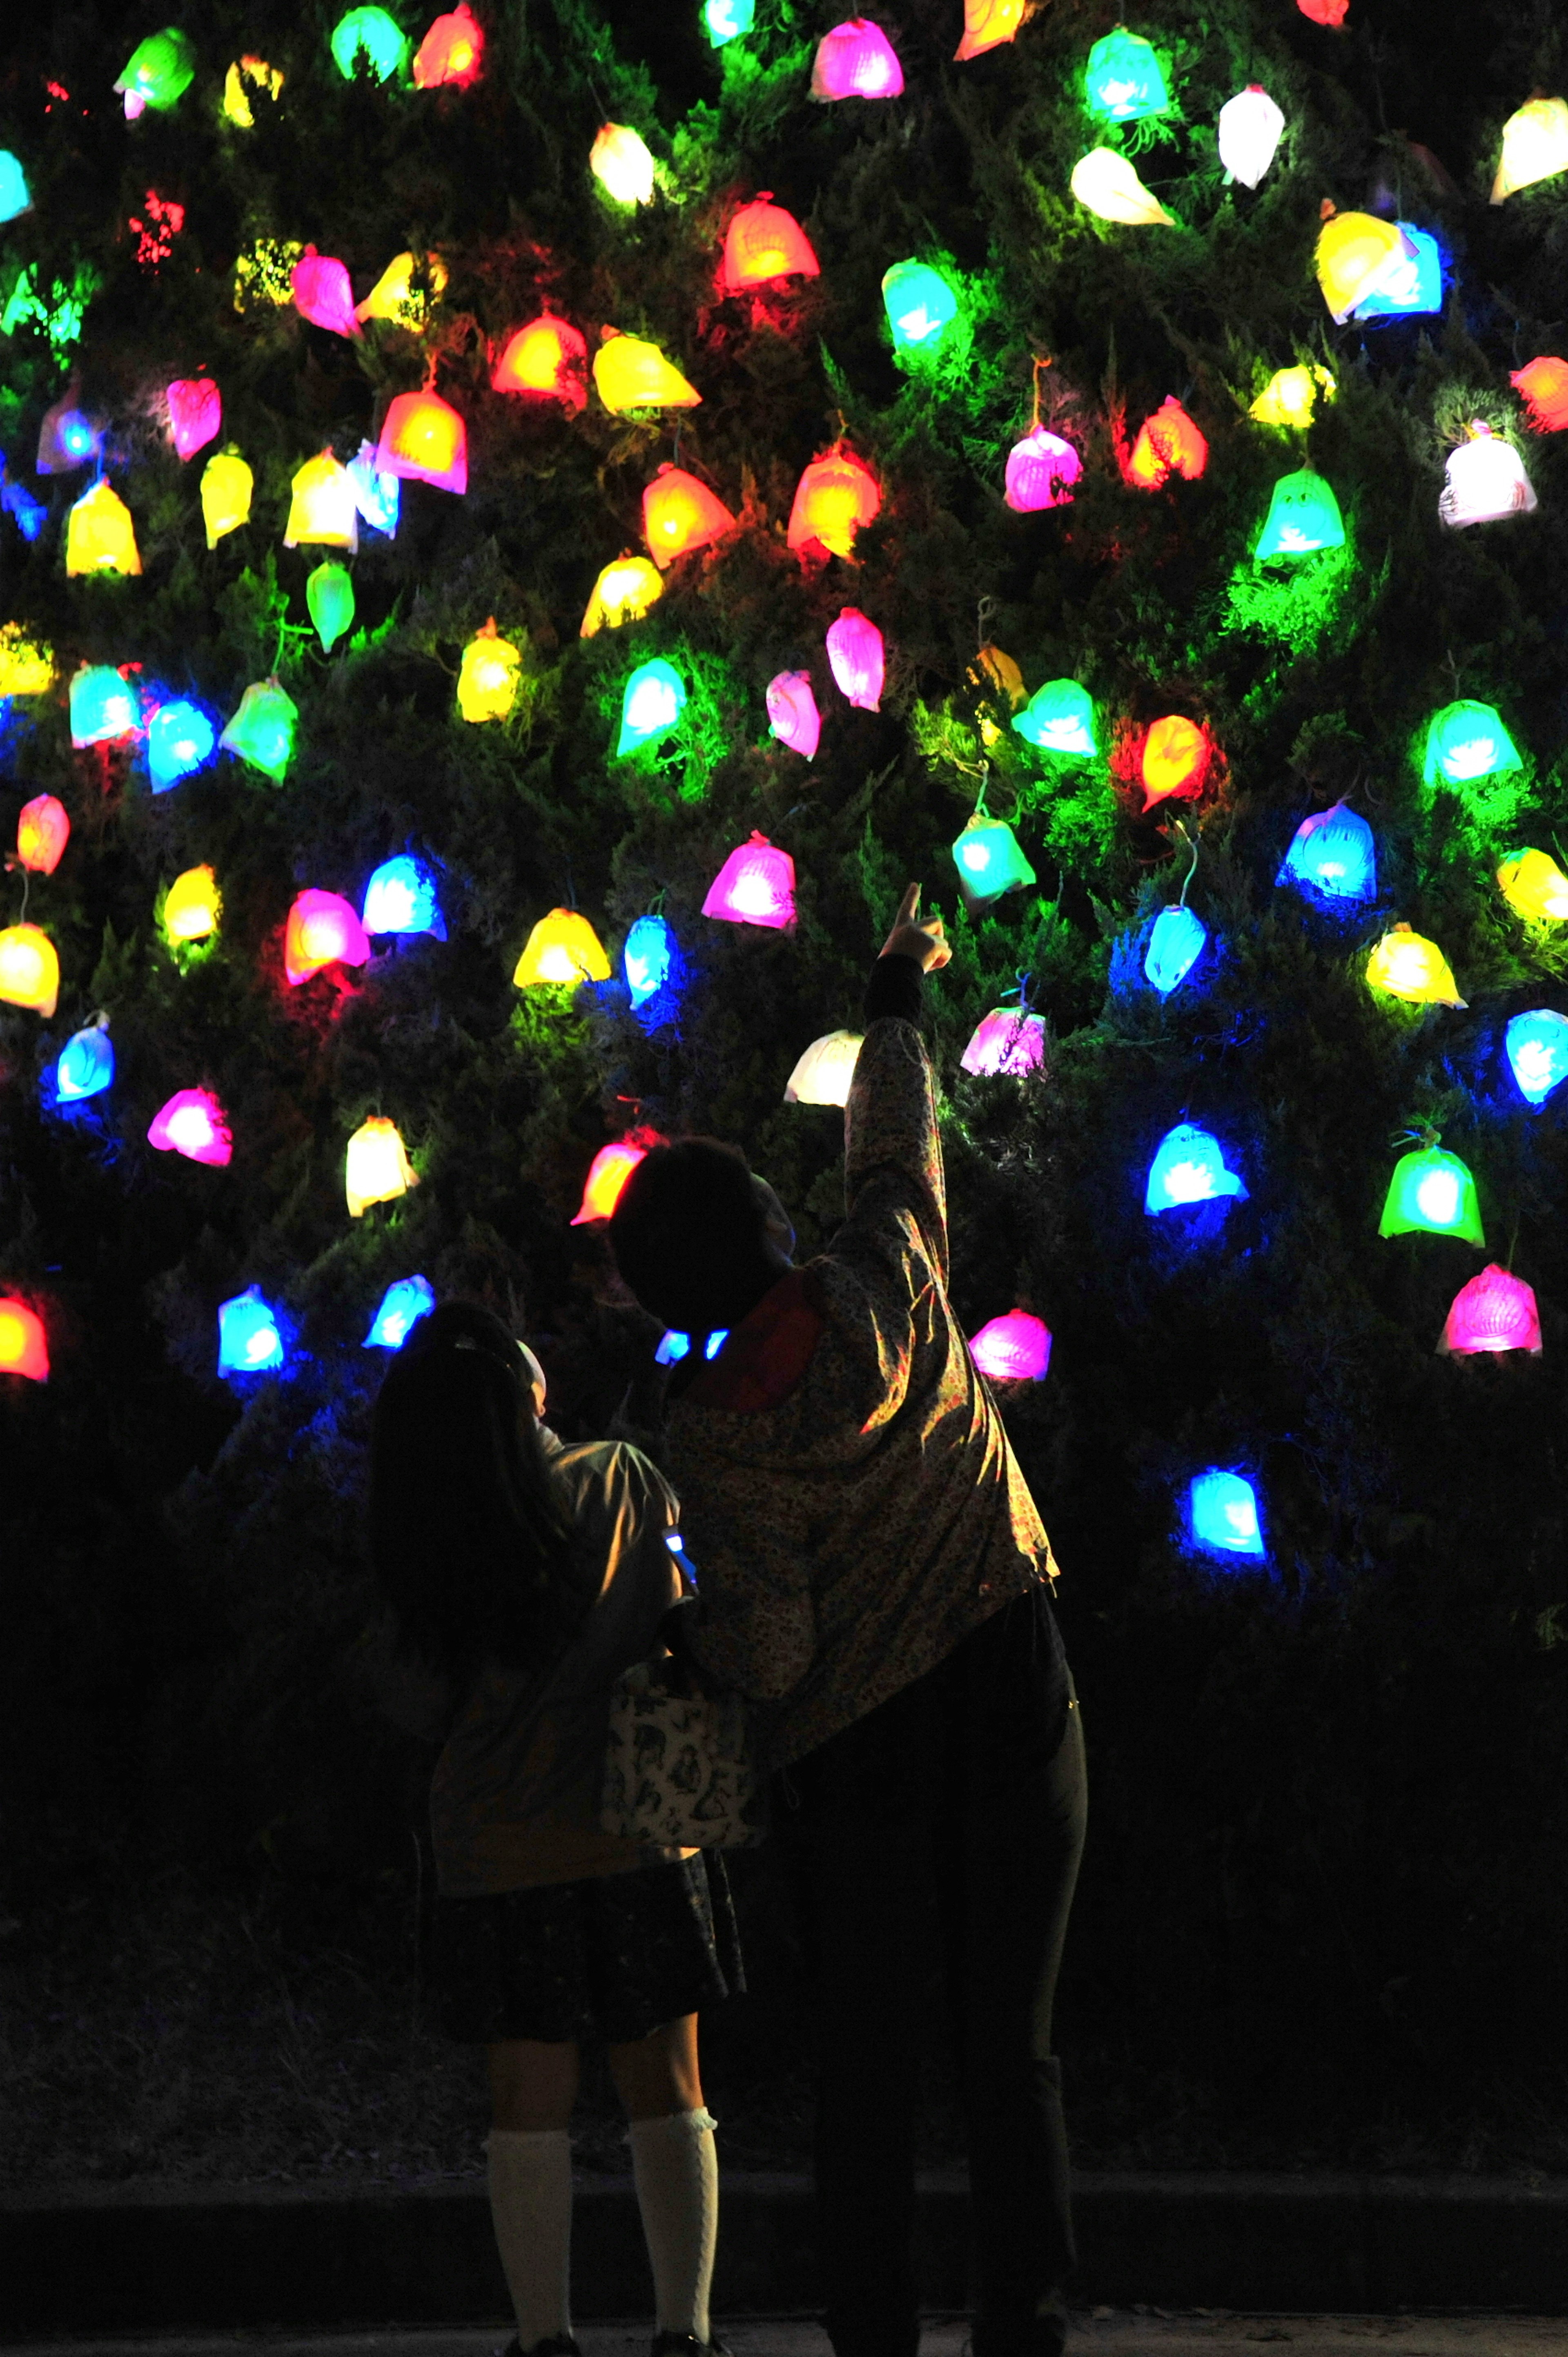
(893, 1154)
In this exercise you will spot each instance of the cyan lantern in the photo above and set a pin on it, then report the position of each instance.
(1189, 1167)
(1223, 1515)
(990, 860)
(1177, 940)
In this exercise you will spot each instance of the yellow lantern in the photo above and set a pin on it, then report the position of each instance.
(1105, 182)
(1407, 965)
(1356, 253)
(1290, 395)
(264, 79)
(623, 592)
(376, 1169)
(622, 166)
(1535, 146)
(323, 511)
(487, 683)
(193, 907)
(1532, 883)
(99, 536)
(562, 951)
(632, 373)
(227, 484)
(986, 24)
(29, 969)
(394, 296)
(27, 666)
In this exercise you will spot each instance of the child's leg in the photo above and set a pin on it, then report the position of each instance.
(675, 2168)
(532, 2088)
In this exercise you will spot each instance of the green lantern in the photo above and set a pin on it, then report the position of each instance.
(1124, 81)
(1059, 718)
(370, 34)
(1464, 741)
(1303, 516)
(726, 20)
(654, 700)
(921, 305)
(1431, 1192)
(157, 72)
(329, 594)
(990, 860)
(261, 731)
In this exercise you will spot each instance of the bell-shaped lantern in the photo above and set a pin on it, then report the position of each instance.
(824, 1071)
(193, 907)
(395, 297)
(1168, 443)
(1059, 718)
(195, 413)
(620, 161)
(1106, 185)
(1496, 1311)
(1484, 480)
(405, 1301)
(400, 898)
(1007, 1043)
(650, 705)
(764, 243)
(323, 511)
(1303, 517)
(489, 675)
(1545, 384)
(835, 496)
(193, 1123)
(548, 359)
(227, 484)
(85, 1066)
(1189, 1167)
(68, 438)
(330, 600)
(424, 440)
(1464, 741)
(181, 739)
(1222, 1516)
(1414, 287)
(1329, 13)
(1534, 887)
(1124, 80)
(792, 714)
(857, 656)
(755, 886)
(376, 1167)
(632, 373)
(997, 678)
(1431, 1192)
(623, 592)
(608, 1171)
(29, 969)
(990, 861)
(561, 951)
(247, 80)
(15, 197)
(1013, 1349)
(920, 304)
(261, 731)
(1174, 759)
(26, 663)
(323, 293)
(43, 830)
(727, 20)
(1356, 253)
(102, 707)
(1176, 941)
(369, 34)
(99, 535)
(1291, 397)
(250, 1340)
(24, 1346)
(1535, 146)
(856, 60)
(453, 51)
(648, 958)
(1407, 965)
(1041, 473)
(1251, 126)
(377, 497)
(158, 72)
(1333, 853)
(1537, 1047)
(321, 930)
(987, 25)
(680, 514)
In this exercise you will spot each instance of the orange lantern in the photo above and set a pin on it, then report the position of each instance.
(1168, 443)
(608, 1171)
(632, 373)
(424, 441)
(835, 495)
(679, 514)
(1545, 384)
(986, 24)
(1174, 760)
(764, 243)
(548, 357)
(29, 969)
(43, 831)
(452, 51)
(24, 1350)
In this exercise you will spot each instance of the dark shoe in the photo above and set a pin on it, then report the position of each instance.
(685, 2344)
(558, 2344)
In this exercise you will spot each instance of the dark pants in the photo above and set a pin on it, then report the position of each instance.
(995, 1878)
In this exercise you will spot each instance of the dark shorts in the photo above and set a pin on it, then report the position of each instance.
(614, 1957)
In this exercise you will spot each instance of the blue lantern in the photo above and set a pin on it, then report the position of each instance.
(648, 958)
(1189, 1167)
(1537, 1045)
(1175, 943)
(676, 1346)
(1222, 1509)
(30, 515)
(403, 1304)
(376, 495)
(249, 1339)
(85, 1064)
(401, 898)
(180, 740)
(1415, 286)
(1333, 853)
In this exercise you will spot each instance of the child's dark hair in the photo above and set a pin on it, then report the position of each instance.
(688, 1233)
(470, 1541)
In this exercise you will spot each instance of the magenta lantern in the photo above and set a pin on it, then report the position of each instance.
(1006, 1040)
(755, 886)
(322, 292)
(1041, 471)
(855, 653)
(792, 711)
(321, 930)
(192, 1124)
(195, 413)
(856, 60)
(1494, 1312)
(1015, 1348)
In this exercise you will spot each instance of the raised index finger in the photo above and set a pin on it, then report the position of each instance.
(909, 907)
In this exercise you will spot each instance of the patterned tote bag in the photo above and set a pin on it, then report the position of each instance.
(679, 1767)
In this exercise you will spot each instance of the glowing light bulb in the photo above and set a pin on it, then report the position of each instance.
(1291, 397)
(763, 243)
(1041, 473)
(1124, 80)
(424, 440)
(990, 861)
(856, 59)
(99, 536)
(1545, 384)
(1466, 742)
(102, 707)
(857, 657)
(548, 357)
(195, 413)
(1168, 444)
(452, 52)
(1357, 254)
(394, 296)
(1535, 146)
(631, 373)
(1333, 853)
(727, 20)
(157, 73)
(610, 1168)
(322, 292)
(1303, 517)
(987, 25)
(261, 731)
(15, 197)
(1484, 481)
(835, 496)
(246, 78)
(1532, 884)
(623, 592)
(330, 600)
(792, 713)
(26, 663)
(1106, 184)
(680, 514)
(1496, 1311)
(323, 507)
(1007, 1042)
(1174, 760)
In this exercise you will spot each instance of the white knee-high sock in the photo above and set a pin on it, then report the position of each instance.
(676, 2172)
(531, 2205)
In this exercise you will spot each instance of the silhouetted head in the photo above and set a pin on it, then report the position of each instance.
(698, 1237)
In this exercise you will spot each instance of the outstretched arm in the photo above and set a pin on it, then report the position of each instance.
(893, 1162)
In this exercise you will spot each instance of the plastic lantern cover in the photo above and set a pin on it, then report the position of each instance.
(1189, 1167)
(755, 886)
(322, 292)
(245, 75)
(321, 930)
(452, 51)
(1535, 146)
(394, 296)
(261, 731)
(680, 514)
(1464, 741)
(1123, 82)
(620, 161)
(1534, 887)
(987, 25)
(648, 958)
(29, 514)
(990, 861)
(857, 657)
(27, 664)
(369, 33)
(835, 495)
(15, 197)
(85, 1066)
(1223, 1515)
(1431, 1192)
(1174, 760)
(1331, 12)
(227, 484)
(1416, 285)
(1407, 965)
(24, 1347)
(67, 438)
(195, 413)
(1059, 718)
(249, 1341)
(792, 714)
(995, 674)
(99, 536)
(824, 1071)
(402, 1304)
(727, 20)
(1168, 443)
(547, 358)
(1333, 851)
(1484, 480)
(676, 1346)
(1303, 517)
(424, 440)
(562, 951)
(1545, 384)
(43, 830)
(1537, 1047)
(490, 676)
(1177, 940)
(1041, 471)
(623, 592)
(1007, 1042)
(631, 373)
(1496, 1311)
(322, 509)
(157, 72)
(1356, 253)
(1291, 397)
(856, 60)
(1106, 185)
(1251, 126)
(29, 969)
(401, 898)
(102, 707)
(921, 305)
(193, 906)
(608, 1171)
(376, 1167)
(764, 243)
(330, 600)
(376, 497)
(192, 1124)
(653, 701)
(1013, 1349)
(180, 740)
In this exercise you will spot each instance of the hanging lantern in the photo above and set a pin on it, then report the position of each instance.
(491, 675)
(29, 514)
(1545, 384)
(1124, 81)
(452, 51)
(1177, 940)
(1329, 13)
(15, 197)
(402, 1304)
(1431, 1192)
(394, 296)
(227, 484)
(1534, 887)
(103, 708)
(755, 886)
(1168, 443)
(548, 357)
(764, 243)
(1189, 1167)
(1174, 760)
(631, 373)
(990, 861)
(321, 930)
(561, 951)
(193, 907)
(1007, 1042)
(653, 701)
(856, 60)
(608, 1171)
(401, 898)
(1291, 397)
(1333, 853)
(792, 714)
(1464, 741)
(180, 740)
(1223, 1511)
(329, 599)
(1303, 517)
(1251, 127)
(727, 20)
(157, 73)
(623, 592)
(43, 830)
(1013, 1349)
(67, 438)
(376, 1167)
(1484, 482)
(323, 511)
(29, 969)
(192, 1124)
(1537, 1047)
(622, 166)
(648, 961)
(27, 664)
(1041, 471)
(1535, 146)
(920, 306)
(680, 514)
(249, 1341)
(987, 24)
(823, 1072)
(376, 496)
(85, 1066)
(835, 496)
(322, 292)
(1356, 253)
(24, 1348)
(371, 36)
(1106, 185)
(261, 731)
(1496, 1311)
(195, 413)
(995, 675)
(1412, 286)
(99, 535)
(1059, 718)
(856, 655)
(245, 76)
(1407, 965)
(424, 440)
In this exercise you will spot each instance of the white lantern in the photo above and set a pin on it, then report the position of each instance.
(1106, 183)
(1250, 125)
(824, 1073)
(1486, 481)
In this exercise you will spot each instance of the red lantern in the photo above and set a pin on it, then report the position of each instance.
(764, 243)
(424, 441)
(1545, 384)
(679, 514)
(195, 413)
(43, 831)
(1174, 760)
(857, 654)
(321, 930)
(1168, 443)
(548, 357)
(1331, 12)
(322, 292)
(452, 51)
(835, 495)
(24, 1350)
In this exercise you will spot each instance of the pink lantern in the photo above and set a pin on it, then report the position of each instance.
(43, 830)
(856, 60)
(1006, 1040)
(755, 886)
(835, 495)
(1041, 471)
(764, 243)
(855, 653)
(322, 292)
(192, 1122)
(1494, 1312)
(792, 711)
(1014, 1349)
(195, 413)
(424, 440)
(321, 930)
